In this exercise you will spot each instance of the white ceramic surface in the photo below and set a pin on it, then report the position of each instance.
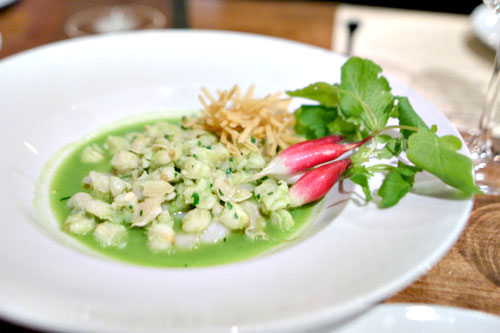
(416, 318)
(53, 95)
(486, 25)
(5, 3)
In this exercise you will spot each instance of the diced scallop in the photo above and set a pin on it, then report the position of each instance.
(79, 223)
(166, 218)
(228, 192)
(255, 161)
(196, 220)
(161, 158)
(99, 209)
(273, 196)
(125, 161)
(186, 241)
(282, 219)
(138, 144)
(90, 155)
(116, 143)
(147, 211)
(157, 188)
(111, 234)
(214, 233)
(169, 174)
(234, 217)
(118, 186)
(161, 237)
(78, 200)
(257, 221)
(128, 199)
(194, 169)
(99, 182)
(217, 209)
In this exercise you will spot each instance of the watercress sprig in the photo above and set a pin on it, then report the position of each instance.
(360, 106)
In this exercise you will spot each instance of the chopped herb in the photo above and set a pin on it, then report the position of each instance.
(175, 174)
(254, 140)
(199, 143)
(225, 239)
(231, 159)
(194, 155)
(64, 198)
(264, 178)
(196, 198)
(147, 159)
(183, 127)
(208, 147)
(230, 205)
(211, 185)
(126, 176)
(229, 170)
(258, 196)
(270, 193)
(220, 192)
(140, 212)
(166, 136)
(130, 207)
(235, 215)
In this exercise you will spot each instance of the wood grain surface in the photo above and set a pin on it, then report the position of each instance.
(467, 277)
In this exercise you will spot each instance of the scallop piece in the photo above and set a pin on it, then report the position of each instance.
(118, 186)
(214, 233)
(78, 200)
(99, 209)
(161, 237)
(234, 217)
(186, 241)
(79, 223)
(147, 211)
(111, 234)
(157, 188)
(125, 161)
(128, 199)
(196, 220)
(228, 192)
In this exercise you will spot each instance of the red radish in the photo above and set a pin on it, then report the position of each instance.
(308, 143)
(315, 183)
(305, 155)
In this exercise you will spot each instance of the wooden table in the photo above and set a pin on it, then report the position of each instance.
(467, 277)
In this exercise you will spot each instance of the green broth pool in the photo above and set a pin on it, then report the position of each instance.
(67, 181)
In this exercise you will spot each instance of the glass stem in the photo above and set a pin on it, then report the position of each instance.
(490, 101)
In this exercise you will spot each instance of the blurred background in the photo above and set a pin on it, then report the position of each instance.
(32, 22)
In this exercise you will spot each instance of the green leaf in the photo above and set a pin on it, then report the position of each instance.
(362, 180)
(342, 127)
(451, 142)
(366, 96)
(325, 93)
(393, 147)
(312, 120)
(408, 117)
(397, 184)
(439, 157)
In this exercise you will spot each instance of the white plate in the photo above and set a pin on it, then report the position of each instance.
(419, 318)
(353, 256)
(5, 3)
(486, 25)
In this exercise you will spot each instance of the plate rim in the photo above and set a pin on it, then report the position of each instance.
(355, 305)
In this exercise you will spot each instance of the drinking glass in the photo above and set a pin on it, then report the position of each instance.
(114, 18)
(485, 155)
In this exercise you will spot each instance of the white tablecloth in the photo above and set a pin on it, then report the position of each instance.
(436, 54)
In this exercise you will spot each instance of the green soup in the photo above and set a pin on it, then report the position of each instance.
(236, 246)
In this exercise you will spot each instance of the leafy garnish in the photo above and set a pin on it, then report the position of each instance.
(360, 106)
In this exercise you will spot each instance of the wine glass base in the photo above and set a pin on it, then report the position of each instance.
(488, 175)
